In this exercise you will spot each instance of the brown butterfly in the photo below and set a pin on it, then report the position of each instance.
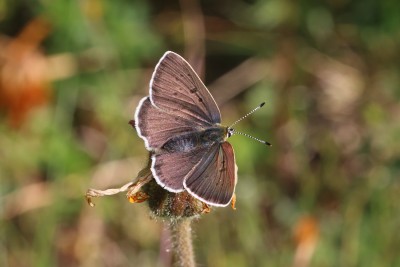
(180, 124)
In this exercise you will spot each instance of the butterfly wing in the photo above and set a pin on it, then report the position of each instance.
(156, 126)
(179, 103)
(170, 169)
(214, 178)
(176, 88)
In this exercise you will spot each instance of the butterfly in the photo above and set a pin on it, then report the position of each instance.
(180, 124)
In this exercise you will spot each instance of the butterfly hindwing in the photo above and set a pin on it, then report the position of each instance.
(170, 169)
(214, 178)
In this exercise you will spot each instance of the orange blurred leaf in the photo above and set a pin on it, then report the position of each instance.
(24, 84)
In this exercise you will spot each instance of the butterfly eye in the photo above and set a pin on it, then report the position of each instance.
(230, 132)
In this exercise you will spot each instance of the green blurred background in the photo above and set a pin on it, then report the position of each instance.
(325, 194)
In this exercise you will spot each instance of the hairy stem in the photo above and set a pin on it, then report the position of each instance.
(181, 237)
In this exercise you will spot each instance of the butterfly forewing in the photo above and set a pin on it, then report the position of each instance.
(213, 180)
(176, 88)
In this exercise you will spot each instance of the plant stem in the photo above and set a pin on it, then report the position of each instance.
(181, 237)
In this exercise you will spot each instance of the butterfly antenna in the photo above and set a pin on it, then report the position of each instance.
(252, 137)
(248, 114)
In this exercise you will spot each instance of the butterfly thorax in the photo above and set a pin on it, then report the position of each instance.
(196, 139)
